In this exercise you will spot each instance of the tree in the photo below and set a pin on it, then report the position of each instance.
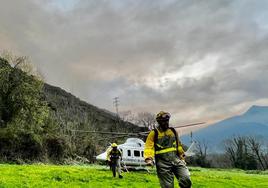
(239, 153)
(21, 62)
(200, 157)
(127, 116)
(146, 119)
(23, 113)
(256, 148)
(22, 106)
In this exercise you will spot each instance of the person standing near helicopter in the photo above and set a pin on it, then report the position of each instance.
(114, 156)
(164, 145)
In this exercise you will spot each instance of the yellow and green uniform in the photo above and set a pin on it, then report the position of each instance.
(166, 145)
(167, 150)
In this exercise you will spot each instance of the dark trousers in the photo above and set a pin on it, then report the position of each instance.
(166, 170)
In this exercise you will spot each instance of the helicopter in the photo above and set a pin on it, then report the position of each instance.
(133, 149)
(132, 153)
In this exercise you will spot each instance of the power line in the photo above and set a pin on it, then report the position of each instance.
(116, 104)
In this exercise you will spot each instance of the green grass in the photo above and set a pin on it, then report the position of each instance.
(100, 177)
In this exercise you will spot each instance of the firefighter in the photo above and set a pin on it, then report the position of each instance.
(114, 156)
(164, 146)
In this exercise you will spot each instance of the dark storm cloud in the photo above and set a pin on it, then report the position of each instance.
(197, 59)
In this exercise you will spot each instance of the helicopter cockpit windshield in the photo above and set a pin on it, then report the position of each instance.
(134, 142)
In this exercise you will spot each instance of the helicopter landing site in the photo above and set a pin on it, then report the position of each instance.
(39, 175)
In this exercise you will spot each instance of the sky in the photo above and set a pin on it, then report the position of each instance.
(200, 60)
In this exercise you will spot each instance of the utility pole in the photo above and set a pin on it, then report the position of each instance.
(116, 104)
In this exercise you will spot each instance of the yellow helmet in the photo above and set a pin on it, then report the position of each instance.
(114, 145)
(162, 116)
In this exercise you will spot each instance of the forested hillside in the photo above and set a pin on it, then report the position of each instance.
(37, 121)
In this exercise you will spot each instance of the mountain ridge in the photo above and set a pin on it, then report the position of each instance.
(254, 122)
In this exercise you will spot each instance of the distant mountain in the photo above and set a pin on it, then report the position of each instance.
(254, 122)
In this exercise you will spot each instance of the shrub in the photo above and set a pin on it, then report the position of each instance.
(7, 145)
(29, 146)
(56, 148)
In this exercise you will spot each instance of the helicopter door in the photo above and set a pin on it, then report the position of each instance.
(129, 153)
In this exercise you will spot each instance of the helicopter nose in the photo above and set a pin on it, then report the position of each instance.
(101, 157)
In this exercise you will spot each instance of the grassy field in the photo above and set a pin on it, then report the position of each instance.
(100, 177)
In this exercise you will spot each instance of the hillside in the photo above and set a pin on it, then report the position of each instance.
(82, 115)
(254, 122)
(40, 122)
(74, 114)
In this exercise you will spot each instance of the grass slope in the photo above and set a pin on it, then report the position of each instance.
(101, 177)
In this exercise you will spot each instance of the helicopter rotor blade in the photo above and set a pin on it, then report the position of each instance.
(103, 132)
(181, 126)
(189, 125)
(113, 137)
(132, 134)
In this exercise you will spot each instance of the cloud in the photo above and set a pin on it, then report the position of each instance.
(200, 60)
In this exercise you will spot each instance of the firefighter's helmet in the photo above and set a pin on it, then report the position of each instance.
(163, 116)
(114, 145)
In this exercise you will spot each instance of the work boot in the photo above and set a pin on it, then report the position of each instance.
(120, 176)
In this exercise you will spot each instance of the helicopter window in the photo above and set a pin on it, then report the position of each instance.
(142, 153)
(136, 153)
(128, 153)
